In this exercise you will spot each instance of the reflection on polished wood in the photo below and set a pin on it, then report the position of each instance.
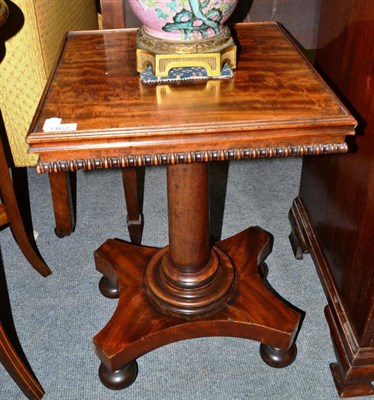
(275, 105)
(275, 100)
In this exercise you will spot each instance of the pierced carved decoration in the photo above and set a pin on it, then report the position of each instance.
(190, 157)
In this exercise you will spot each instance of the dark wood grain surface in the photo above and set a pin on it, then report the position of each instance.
(275, 99)
(338, 196)
(353, 76)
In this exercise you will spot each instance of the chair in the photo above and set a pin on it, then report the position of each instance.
(11, 356)
(17, 368)
(29, 46)
(9, 211)
(10, 214)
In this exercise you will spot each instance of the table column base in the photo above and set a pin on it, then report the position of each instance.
(253, 311)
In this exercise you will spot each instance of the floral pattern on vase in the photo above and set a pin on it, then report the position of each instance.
(183, 19)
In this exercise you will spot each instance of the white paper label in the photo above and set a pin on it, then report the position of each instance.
(54, 125)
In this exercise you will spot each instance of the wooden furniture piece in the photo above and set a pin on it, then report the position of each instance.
(9, 211)
(113, 17)
(63, 183)
(275, 105)
(113, 14)
(10, 214)
(18, 369)
(333, 215)
(30, 46)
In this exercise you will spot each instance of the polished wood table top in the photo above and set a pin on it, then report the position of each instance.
(276, 104)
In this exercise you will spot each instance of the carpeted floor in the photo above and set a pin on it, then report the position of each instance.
(57, 317)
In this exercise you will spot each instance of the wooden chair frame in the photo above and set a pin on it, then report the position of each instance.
(10, 214)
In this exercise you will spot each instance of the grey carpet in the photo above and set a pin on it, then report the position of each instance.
(57, 317)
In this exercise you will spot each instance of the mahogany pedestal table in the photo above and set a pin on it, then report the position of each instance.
(275, 105)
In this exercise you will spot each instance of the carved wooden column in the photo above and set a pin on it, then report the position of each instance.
(189, 278)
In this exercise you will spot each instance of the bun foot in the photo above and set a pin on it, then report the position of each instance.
(108, 289)
(119, 379)
(278, 358)
(61, 235)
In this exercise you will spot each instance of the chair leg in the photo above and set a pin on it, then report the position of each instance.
(133, 184)
(17, 369)
(62, 199)
(15, 219)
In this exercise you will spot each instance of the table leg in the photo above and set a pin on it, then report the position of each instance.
(133, 184)
(190, 289)
(62, 200)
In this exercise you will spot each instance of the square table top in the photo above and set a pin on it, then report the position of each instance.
(275, 105)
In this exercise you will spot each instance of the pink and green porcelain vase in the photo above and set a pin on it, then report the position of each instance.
(183, 19)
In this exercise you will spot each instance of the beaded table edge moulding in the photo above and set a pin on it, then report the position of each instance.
(188, 36)
(189, 157)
